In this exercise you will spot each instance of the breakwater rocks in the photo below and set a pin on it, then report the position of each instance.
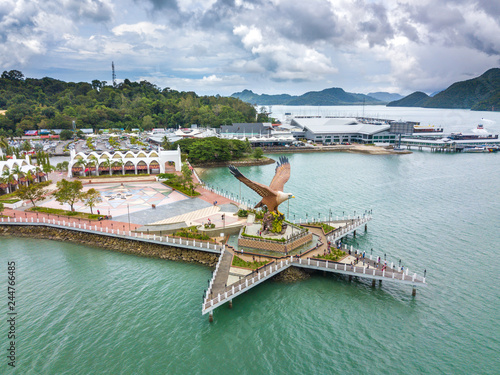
(139, 248)
(292, 274)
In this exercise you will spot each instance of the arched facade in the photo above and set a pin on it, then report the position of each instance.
(23, 164)
(128, 162)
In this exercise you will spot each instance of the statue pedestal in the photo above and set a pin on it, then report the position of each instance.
(293, 238)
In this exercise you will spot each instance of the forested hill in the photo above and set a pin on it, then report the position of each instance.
(481, 93)
(49, 103)
(331, 96)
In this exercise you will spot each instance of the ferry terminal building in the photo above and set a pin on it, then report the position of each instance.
(328, 130)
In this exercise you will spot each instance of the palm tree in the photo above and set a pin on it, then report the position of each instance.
(4, 144)
(17, 171)
(47, 168)
(8, 178)
(30, 176)
(119, 163)
(89, 164)
(108, 163)
(38, 171)
(81, 163)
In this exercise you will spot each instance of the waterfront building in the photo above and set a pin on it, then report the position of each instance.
(258, 134)
(128, 162)
(328, 130)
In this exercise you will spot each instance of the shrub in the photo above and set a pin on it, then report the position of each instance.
(238, 262)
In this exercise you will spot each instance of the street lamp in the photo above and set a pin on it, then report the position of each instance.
(128, 213)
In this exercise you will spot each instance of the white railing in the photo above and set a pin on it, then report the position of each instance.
(244, 284)
(73, 225)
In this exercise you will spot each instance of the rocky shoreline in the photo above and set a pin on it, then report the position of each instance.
(139, 248)
(291, 275)
(143, 249)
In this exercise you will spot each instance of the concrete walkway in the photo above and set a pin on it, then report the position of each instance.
(221, 278)
(110, 224)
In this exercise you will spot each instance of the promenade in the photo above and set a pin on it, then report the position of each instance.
(227, 281)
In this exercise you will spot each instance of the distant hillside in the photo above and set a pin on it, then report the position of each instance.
(480, 93)
(417, 99)
(331, 96)
(385, 96)
(249, 96)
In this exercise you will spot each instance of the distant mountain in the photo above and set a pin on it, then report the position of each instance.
(331, 96)
(385, 96)
(480, 93)
(435, 93)
(249, 96)
(417, 99)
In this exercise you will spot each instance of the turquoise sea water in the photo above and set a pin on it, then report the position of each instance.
(88, 311)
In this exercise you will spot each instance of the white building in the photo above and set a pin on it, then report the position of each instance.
(128, 162)
(10, 165)
(329, 130)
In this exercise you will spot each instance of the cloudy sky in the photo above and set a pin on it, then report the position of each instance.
(268, 46)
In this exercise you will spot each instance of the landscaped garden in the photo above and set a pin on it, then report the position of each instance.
(238, 262)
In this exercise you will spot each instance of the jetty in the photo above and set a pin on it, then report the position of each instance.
(443, 144)
(229, 282)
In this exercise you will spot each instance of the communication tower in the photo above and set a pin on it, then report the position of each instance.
(113, 73)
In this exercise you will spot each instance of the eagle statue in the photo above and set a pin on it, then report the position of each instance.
(272, 195)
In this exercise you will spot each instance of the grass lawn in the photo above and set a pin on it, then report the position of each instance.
(75, 214)
(180, 188)
(13, 200)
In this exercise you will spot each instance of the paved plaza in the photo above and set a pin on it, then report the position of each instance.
(118, 198)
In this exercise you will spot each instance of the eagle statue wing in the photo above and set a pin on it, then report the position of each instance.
(282, 174)
(260, 189)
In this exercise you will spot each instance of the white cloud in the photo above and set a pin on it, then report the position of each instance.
(141, 28)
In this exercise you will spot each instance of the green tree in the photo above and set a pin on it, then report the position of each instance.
(91, 198)
(65, 135)
(187, 175)
(62, 166)
(258, 153)
(26, 146)
(165, 143)
(68, 192)
(33, 193)
(2, 207)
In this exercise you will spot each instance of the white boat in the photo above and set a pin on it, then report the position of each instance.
(475, 149)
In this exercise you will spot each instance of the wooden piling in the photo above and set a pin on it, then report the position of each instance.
(414, 292)
(230, 303)
(373, 283)
(210, 316)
